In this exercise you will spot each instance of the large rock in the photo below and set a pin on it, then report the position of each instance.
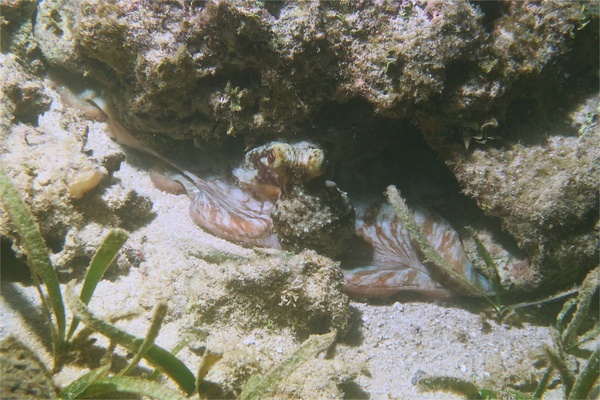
(206, 70)
(542, 182)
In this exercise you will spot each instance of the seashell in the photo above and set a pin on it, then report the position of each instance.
(82, 181)
(388, 263)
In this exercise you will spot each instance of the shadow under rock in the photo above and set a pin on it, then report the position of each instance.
(13, 269)
(354, 337)
(352, 390)
(132, 212)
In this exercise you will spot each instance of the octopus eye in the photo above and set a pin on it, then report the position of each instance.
(315, 164)
(271, 157)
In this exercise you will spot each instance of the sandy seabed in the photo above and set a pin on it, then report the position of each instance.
(387, 348)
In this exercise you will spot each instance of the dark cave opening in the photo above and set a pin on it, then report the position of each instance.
(492, 11)
(367, 153)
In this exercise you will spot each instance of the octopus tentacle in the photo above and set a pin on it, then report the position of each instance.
(376, 282)
(221, 208)
(241, 219)
(396, 265)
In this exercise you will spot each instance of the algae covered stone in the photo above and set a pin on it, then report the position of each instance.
(300, 292)
(315, 216)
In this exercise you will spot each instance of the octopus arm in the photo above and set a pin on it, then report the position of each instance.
(446, 242)
(376, 282)
(221, 208)
(395, 265)
(232, 214)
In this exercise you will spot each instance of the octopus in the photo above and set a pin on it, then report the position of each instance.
(278, 198)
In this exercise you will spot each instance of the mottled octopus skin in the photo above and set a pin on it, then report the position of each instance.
(308, 212)
(385, 261)
(388, 263)
(296, 164)
(256, 176)
(232, 214)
